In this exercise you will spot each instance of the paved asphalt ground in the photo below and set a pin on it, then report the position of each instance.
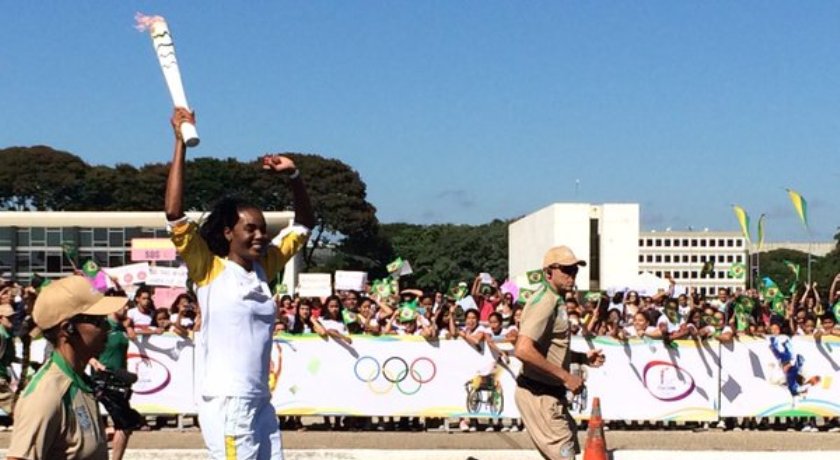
(616, 440)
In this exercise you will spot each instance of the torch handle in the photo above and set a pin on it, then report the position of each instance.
(189, 134)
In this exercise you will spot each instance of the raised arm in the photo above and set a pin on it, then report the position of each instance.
(303, 207)
(173, 204)
(832, 297)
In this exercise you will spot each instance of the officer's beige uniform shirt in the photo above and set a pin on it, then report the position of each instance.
(57, 417)
(545, 321)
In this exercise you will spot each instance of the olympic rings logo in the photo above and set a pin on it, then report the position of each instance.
(396, 372)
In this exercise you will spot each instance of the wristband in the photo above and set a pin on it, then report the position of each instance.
(295, 174)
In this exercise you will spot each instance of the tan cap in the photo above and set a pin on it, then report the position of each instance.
(7, 310)
(71, 296)
(561, 255)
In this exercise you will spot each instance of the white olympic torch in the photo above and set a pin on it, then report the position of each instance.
(165, 50)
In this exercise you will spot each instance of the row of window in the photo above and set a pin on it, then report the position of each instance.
(89, 237)
(693, 258)
(691, 242)
(693, 274)
(54, 261)
(25, 251)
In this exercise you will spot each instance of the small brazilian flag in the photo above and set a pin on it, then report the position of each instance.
(407, 314)
(71, 251)
(592, 296)
(769, 289)
(395, 266)
(737, 270)
(348, 316)
(458, 291)
(778, 306)
(708, 268)
(536, 276)
(524, 295)
(90, 269)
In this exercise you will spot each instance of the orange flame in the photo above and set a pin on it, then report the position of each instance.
(144, 23)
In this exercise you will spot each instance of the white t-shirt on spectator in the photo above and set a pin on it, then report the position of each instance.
(631, 331)
(337, 326)
(663, 319)
(711, 330)
(185, 322)
(139, 318)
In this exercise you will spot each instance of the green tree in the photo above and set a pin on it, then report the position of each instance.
(444, 254)
(39, 178)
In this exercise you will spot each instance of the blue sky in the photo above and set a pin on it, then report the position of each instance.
(462, 111)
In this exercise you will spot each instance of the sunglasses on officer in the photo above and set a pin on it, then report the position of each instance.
(570, 270)
(98, 321)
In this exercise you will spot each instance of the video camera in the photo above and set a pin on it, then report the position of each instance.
(113, 390)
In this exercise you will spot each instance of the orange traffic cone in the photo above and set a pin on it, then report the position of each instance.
(596, 444)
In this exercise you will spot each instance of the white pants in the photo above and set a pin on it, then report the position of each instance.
(240, 428)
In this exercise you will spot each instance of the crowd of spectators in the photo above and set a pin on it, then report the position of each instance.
(484, 315)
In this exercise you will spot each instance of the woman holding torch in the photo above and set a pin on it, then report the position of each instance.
(230, 259)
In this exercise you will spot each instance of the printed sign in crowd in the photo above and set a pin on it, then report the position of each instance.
(410, 376)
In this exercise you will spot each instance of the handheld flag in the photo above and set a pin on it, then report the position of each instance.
(71, 251)
(769, 289)
(524, 295)
(535, 276)
(592, 296)
(743, 221)
(394, 266)
(708, 268)
(795, 269)
(737, 270)
(743, 309)
(800, 205)
(348, 316)
(458, 291)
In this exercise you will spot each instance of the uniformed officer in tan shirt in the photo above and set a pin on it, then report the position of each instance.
(57, 417)
(543, 348)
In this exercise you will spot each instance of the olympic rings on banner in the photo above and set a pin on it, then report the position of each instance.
(374, 375)
(431, 374)
(400, 375)
(408, 379)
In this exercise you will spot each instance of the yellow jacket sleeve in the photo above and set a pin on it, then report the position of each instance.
(283, 247)
(202, 265)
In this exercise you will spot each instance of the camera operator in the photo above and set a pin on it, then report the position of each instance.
(57, 416)
(114, 359)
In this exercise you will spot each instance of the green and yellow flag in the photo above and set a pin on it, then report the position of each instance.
(743, 221)
(536, 276)
(761, 232)
(795, 269)
(708, 268)
(524, 295)
(737, 270)
(800, 205)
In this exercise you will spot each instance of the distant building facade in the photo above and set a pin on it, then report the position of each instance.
(31, 242)
(682, 255)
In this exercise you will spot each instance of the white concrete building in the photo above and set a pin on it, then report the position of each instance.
(682, 255)
(606, 236)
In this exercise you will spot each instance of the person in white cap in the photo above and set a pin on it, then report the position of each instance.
(543, 347)
(57, 417)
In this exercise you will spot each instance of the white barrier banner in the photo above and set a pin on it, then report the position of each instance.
(164, 367)
(389, 375)
(780, 376)
(651, 380)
